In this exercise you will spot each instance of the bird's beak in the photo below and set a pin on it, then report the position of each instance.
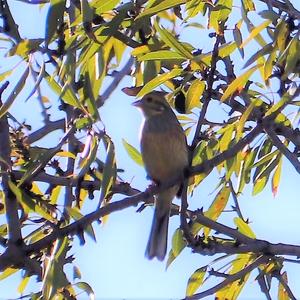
(137, 103)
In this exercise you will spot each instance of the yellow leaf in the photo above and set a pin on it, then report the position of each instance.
(194, 93)
(256, 30)
(238, 83)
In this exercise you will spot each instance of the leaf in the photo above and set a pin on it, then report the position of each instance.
(195, 281)
(292, 58)
(226, 138)
(162, 6)
(217, 206)
(7, 272)
(133, 153)
(282, 293)
(173, 43)
(25, 47)
(29, 204)
(237, 35)
(256, 30)
(38, 81)
(54, 19)
(161, 55)
(232, 290)
(23, 284)
(109, 171)
(75, 213)
(54, 277)
(276, 178)
(194, 93)
(178, 242)
(13, 95)
(237, 84)
(86, 288)
(65, 93)
(219, 14)
(86, 11)
(104, 6)
(151, 85)
(244, 228)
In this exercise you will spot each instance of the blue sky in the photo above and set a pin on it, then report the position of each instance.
(115, 266)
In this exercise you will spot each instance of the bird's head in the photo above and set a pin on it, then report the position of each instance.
(153, 104)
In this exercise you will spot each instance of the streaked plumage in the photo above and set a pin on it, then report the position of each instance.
(165, 155)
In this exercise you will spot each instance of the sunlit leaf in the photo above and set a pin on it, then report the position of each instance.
(178, 242)
(195, 281)
(161, 6)
(173, 43)
(238, 84)
(194, 93)
(151, 85)
(133, 153)
(256, 30)
(244, 227)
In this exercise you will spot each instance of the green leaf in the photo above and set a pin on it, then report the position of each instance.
(237, 84)
(109, 170)
(173, 43)
(276, 178)
(220, 14)
(178, 242)
(66, 93)
(75, 213)
(88, 159)
(217, 206)
(54, 277)
(133, 153)
(162, 6)
(151, 85)
(194, 93)
(29, 204)
(161, 55)
(104, 6)
(86, 11)
(12, 97)
(244, 228)
(86, 288)
(195, 281)
(232, 290)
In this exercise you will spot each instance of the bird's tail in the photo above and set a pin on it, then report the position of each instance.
(157, 243)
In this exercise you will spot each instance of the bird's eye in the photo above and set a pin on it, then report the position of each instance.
(149, 99)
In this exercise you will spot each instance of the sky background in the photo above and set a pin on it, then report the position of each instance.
(115, 266)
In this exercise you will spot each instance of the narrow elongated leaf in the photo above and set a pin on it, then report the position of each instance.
(256, 30)
(151, 85)
(54, 18)
(178, 242)
(237, 84)
(173, 43)
(162, 6)
(12, 97)
(28, 203)
(161, 55)
(109, 171)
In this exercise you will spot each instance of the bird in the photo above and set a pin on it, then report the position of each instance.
(164, 152)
